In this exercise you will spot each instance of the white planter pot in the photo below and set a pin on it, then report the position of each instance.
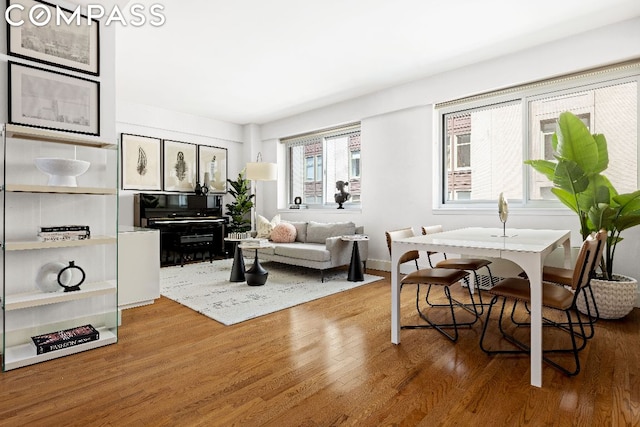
(614, 299)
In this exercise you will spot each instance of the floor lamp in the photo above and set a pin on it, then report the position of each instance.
(260, 171)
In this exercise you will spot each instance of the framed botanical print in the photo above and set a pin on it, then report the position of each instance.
(71, 42)
(179, 166)
(52, 100)
(212, 167)
(141, 162)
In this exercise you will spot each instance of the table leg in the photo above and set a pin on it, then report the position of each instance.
(237, 270)
(355, 267)
(256, 275)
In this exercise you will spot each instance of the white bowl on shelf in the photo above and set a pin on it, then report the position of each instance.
(62, 172)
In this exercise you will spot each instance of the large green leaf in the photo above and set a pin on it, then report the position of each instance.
(545, 167)
(575, 143)
(570, 177)
(566, 197)
(603, 154)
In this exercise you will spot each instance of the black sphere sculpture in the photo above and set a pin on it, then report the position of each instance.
(342, 196)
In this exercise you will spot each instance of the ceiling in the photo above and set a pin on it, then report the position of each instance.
(255, 61)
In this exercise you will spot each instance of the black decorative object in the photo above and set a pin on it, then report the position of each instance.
(237, 270)
(297, 200)
(341, 196)
(76, 287)
(198, 188)
(256, 275)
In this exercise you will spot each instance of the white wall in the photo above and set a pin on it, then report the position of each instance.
(158, 123)
(399, 143)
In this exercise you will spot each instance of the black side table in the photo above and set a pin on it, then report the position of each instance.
(256, 275)
(355, 267)
(237, 270)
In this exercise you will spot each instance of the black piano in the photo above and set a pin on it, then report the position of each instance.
(189, 225)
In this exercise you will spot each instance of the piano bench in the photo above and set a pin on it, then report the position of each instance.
(193, 243)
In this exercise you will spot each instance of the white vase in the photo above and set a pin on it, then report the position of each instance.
(615, 299)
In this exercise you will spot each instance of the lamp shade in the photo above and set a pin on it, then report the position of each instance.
(262, 171)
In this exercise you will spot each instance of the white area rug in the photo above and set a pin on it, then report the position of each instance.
(205, 288)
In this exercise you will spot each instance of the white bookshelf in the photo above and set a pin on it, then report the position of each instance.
(30, 204)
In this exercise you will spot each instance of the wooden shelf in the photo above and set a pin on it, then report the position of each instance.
(43, 135)
(34, 244)
(35, 299)
(25, 354)
(25, 188)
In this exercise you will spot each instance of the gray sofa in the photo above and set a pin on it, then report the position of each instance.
(318, 246)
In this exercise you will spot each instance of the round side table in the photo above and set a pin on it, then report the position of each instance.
(256, 275)
(237, 270)
(355, 267)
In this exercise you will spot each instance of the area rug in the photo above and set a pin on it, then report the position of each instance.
(205, 288)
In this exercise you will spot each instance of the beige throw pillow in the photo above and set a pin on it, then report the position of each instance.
(264, 227)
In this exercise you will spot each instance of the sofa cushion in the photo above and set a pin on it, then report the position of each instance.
(308, 251)
(264, 226)
(318, 232)
(301, 230)
(283, 233)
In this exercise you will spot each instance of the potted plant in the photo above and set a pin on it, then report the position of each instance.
(239, 209)
(579, 183)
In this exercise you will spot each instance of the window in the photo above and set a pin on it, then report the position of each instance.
(316, 161)
(486, 139)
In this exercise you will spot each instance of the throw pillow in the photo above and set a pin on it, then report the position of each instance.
(318, 232)
(283, 233)
(264, 227)
(301, 230)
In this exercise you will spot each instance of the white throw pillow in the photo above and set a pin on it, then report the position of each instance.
(264, 226)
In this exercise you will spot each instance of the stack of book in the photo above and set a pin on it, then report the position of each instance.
(59, 233)
(259, 243)
(63, 339)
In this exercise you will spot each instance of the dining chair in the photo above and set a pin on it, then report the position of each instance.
(467, 264)
(556, 298)
(441, 277)
(564, 277)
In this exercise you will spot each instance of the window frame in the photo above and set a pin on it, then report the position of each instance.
(321, 136)
(524, 94)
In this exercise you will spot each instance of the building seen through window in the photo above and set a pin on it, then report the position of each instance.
(485, 143)
(318, 160)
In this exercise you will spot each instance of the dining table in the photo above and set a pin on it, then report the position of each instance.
(528, 248)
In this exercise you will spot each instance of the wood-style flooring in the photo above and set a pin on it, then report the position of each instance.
(328, 362)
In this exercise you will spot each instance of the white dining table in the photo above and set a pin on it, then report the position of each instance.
(526, 247)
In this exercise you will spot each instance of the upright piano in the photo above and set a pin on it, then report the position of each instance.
(188, 224)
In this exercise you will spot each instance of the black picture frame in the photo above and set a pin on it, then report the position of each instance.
(71, 46)
(141, 162)
(213, 160)
(180, 166)
(52, 100)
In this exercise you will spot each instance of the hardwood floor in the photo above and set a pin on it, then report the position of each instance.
(325, 363)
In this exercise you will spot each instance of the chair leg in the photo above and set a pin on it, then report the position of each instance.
(524, 348)
(440, 327)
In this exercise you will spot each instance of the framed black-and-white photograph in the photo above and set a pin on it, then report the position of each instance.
(42, 37)
(180, 166)
(212, 168)
(141, 162)
(50, 100)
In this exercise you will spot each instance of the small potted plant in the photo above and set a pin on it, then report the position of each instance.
(240, 208)
(579, 183)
